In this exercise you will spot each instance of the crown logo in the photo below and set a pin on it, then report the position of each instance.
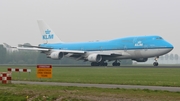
(139, 43)
(48, 31)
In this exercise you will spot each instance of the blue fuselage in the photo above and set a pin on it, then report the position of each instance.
(127, 43)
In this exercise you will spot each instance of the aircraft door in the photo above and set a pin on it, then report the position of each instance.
(125, 48)
(145, 47)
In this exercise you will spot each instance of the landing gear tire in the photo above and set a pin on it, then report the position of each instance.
(105, 64)
(116, 64)
(94, 64)
(99, 64)
(155, 64)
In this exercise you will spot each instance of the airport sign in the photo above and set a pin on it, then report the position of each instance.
(44, 71)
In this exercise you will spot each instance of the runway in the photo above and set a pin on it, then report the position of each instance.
(171, 89)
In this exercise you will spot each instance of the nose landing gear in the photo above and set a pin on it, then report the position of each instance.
(156, 63)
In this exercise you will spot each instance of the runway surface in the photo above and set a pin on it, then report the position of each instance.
(171, 89)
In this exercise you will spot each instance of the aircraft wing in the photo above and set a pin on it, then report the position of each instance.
(71, 51)
(106, 53)
(77, 54)
(49, 49)
(36, 49)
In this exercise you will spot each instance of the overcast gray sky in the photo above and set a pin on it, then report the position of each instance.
(88, 20)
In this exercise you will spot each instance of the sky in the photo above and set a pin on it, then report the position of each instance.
(88, 20)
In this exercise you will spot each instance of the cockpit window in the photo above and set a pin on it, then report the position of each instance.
(159, 38)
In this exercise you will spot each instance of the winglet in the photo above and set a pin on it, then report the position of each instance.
(48, 35)
(6, 45)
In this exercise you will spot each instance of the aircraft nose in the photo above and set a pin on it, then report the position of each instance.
(169, 45)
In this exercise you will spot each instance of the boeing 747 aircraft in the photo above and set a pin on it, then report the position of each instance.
(138, 48)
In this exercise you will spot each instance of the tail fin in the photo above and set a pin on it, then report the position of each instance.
(47, 33)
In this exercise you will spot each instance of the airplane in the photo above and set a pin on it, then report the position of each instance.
(8, 48)
(99, 53)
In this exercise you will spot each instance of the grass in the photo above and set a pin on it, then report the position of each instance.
(25, 92)
(107, 75)
(97, 75)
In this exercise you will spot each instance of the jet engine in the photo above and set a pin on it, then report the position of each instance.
(141, 59)
(56, 55)
(94, 58)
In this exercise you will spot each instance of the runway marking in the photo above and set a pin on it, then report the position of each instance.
(171, 89)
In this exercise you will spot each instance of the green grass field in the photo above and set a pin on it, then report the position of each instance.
(100, 75)
(24, 92)
(106, 75)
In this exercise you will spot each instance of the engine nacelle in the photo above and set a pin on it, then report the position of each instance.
(56, 55)
(141, 59)
(94, 58)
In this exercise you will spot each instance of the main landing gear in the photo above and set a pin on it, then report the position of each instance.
(156, 63)
(99, 64)
(115, 63)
